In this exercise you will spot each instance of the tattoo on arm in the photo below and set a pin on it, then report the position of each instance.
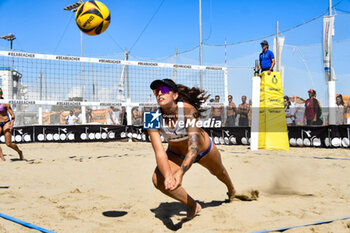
(184, 168)
(193, 151)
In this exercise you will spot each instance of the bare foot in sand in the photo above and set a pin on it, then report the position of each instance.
(194, 212)
(20, 153)
(251, 195)
(231, 195)
(2, 155)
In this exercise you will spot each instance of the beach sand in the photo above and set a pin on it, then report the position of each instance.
(107, 187)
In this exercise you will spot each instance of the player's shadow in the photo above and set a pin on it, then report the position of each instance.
(166, 210)
(114, 213)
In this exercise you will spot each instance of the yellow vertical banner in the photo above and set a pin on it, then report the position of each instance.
(262, 115)
(273, 134)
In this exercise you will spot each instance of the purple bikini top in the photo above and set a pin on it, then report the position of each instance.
(2, 108)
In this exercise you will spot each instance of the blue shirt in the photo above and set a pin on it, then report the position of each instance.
(265, 59)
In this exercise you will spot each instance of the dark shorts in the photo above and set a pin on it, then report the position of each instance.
(199, 155)
(266, 69)
(217, 118)
(230, 121)
(243, 121)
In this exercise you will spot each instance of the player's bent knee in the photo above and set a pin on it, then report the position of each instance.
(156, 181)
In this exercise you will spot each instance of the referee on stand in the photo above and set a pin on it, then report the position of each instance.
(266, 58)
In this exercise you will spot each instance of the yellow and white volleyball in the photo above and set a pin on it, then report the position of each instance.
(92, 17)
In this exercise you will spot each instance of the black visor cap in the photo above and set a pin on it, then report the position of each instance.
(164, 82)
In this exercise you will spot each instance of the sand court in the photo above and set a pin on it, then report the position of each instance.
(107, 187)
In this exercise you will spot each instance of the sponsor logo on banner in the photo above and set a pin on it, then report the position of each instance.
(147, 63)
(20, 136)
(111, 104)
(67, 58)
(68, 103)
(274, 100)
(213, 68)
(16, 54)
(274, 80)
(183, 66)
(147, 105)
(109, 61)
(21, 102)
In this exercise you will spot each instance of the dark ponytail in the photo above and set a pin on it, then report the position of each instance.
(194, 96)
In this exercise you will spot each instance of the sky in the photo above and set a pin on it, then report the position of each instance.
(44, 27)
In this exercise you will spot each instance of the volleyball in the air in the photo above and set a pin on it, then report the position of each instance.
(92, 17)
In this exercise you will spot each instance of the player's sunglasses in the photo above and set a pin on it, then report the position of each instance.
(0, 92)
(163, 89)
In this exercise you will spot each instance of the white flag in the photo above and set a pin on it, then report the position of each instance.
(328, 27)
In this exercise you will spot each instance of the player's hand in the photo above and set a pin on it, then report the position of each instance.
(169, 182)
(178, 179)
(269, 72)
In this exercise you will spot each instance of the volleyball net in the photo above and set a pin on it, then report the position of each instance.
(44, 88)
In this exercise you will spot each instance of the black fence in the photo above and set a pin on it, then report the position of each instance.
(302, 136)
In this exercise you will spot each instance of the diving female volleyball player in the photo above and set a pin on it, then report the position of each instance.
(187, 144)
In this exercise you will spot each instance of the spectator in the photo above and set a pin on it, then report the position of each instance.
(113, 116)
(290, 111)
(339, 110)
(231, 113)
(217, 111)
(298, 105)
(347, 112)
(88, 115)
(313, 110)
(122, 116)
(266, 58)
(71, 119)
(250, 112)
(136, 116)
(77, 113)
(243, 111)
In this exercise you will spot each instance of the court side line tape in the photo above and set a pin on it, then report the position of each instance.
(305, 225)
(25, 223)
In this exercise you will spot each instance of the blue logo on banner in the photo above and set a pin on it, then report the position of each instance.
(151, 120)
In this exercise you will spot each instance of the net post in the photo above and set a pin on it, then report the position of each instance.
(40, 118)
(254, 133)
(83, 114)
(226, 93)
(226, 86)
(331, 102)
(128, 112)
